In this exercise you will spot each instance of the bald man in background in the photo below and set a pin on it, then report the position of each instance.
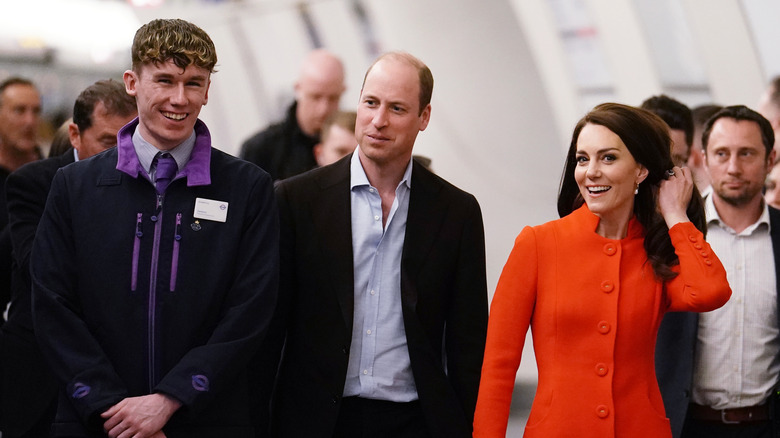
(285, 149)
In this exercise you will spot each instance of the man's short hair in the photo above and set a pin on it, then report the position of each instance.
(675, 113)
(741, 112)
(342, 119)
(114, 97)
(774, 95)
(702, 113)
(173, 39)
(423, 73)
(13, 80)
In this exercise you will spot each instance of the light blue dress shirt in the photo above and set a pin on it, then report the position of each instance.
(379, 365)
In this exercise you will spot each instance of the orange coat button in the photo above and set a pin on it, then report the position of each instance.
(610, 249)
(601, 369)
(697, 245)
(693, 238)
(603, 327)
(602, 411)
(708, 262)
(606, 286)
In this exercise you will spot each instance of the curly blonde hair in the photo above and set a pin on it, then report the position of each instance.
(181, 41)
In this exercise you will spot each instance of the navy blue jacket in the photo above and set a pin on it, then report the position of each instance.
(133, 294)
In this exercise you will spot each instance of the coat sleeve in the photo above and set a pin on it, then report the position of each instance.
(701, 285)
(73, 354)
(26, 199)
(467, 321)
(245, 315)
(510, 316)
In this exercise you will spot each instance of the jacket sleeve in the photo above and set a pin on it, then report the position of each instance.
(26, 194)
(73, 354)
(245, 315)
(510, 316)
(467, 321)
(701, 285)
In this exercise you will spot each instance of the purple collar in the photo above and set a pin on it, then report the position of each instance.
(197, 170)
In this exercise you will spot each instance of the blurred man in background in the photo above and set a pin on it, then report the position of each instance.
(286, 148)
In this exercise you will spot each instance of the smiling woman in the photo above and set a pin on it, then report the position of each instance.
(565, 279)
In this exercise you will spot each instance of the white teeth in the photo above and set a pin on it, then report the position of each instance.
(175, 116)
(598, 189)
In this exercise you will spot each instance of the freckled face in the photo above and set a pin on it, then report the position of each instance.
(169, 100)
(606, 173)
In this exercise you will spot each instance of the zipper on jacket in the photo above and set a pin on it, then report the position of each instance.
(152, 300)
(175, 258)
(136, 251)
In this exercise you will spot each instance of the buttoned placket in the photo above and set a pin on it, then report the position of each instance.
(375, 283)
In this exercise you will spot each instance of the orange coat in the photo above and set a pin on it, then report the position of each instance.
(594, 307)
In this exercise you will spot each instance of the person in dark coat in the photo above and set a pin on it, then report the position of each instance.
(29, 390)
(383, 279)
(286, 148)
(155, 264)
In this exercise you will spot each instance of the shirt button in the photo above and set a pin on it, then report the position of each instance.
(368, 331)
(154, 218)
(602, 411)
(373, 292)
(601, 369)
(365, 372)
(607, 286)
(610, 249)
(376, 218)
(603, 327)
(371, 190)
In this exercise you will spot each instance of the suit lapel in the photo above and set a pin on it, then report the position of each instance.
(426, 214)
(774, 233)
(333, 226)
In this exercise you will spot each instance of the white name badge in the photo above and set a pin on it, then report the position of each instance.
(211, 209)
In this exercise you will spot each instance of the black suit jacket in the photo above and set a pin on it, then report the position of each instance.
(676, 343)
(443, 294)
(29, 389)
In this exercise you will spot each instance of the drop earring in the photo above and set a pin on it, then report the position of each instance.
(636, 188)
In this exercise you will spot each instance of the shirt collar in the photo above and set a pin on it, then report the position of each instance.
(358, 177)
(714, 218)
(194, 153)
(146, 151)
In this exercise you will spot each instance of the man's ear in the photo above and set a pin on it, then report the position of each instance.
(131, 79)
(74, 135)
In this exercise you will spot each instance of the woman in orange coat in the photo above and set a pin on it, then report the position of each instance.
(594, 285)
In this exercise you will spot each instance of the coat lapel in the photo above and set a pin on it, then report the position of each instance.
(426, 214)
(333, 226)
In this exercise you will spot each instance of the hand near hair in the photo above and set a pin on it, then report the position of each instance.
(674, 195)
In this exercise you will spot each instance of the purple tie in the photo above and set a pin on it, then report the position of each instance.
(166, 170)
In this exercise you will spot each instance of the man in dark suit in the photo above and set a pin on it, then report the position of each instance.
(29, 391)
(383, 270)
(718, 371)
